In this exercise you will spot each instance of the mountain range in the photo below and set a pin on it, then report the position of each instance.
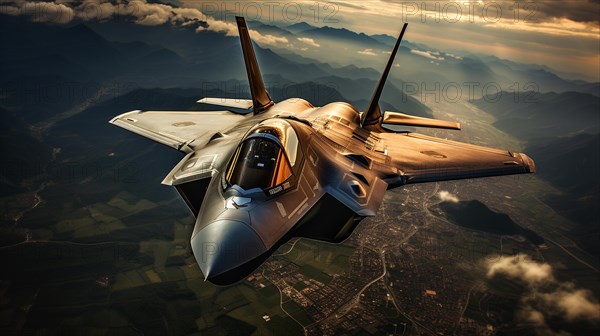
(532, 115)
(571, 164)
(420, 63)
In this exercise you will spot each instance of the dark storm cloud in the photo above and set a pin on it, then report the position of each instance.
(580, 11)
(540, 11)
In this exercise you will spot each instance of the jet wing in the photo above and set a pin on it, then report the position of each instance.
(245, 104)
(177, 129)
(422, 158)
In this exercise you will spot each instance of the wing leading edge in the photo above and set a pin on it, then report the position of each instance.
(177, 129)
(420, 158)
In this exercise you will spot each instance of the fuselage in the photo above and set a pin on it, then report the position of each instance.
(239, 225)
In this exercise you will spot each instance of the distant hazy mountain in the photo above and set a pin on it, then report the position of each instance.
(350, 71)
(361, 90)
(391, 40)
(477, 70)
(424, 64)
(82, 45)
(23, 156)
(266, 29)
(419, 63)
(572, 165)
(299, 27)
(344, 35)
(529, 115)
(534, 77)
(591, 88)
(354, 72)
(81, 55)
(385, 39)
(223, 60)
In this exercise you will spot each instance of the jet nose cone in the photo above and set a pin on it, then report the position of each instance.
(224, 245)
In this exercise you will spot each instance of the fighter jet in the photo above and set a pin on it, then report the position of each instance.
(290, 169)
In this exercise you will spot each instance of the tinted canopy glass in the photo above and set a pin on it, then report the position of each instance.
(282, 132)
(265, 158)
(259, 163)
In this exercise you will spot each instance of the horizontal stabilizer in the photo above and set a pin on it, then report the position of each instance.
(245, 104)
(396, 118)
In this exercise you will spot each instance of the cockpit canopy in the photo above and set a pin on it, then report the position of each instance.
(265, 157)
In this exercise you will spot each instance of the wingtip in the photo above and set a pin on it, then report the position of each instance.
(528, 162)
(115, 119)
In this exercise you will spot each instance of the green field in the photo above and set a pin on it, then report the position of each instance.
(320, 257)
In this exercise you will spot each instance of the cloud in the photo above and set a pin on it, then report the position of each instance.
(139, 11)
(453, 56)
(267, 39)
(308, 41)
(582, 11)
(39, 11)
(547, 299)
(534, 317)
(579, 11)
(563, 303)
(572, 303)
(537, 320)
(368, 52)
(520, 267)
(446, 196)
(434, 55)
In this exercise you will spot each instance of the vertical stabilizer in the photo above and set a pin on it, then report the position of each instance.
(372, 118)
(260, 97)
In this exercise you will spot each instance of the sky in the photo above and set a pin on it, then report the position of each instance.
(564, 35)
